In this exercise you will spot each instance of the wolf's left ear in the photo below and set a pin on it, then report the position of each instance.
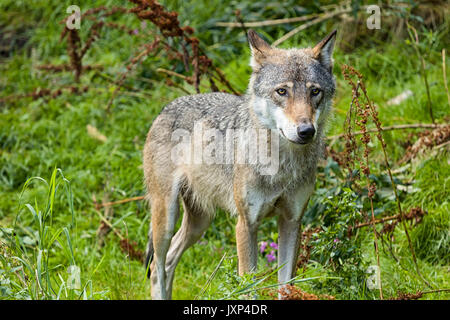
(260, 49)
(323, 51)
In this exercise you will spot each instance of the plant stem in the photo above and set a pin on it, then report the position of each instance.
(444, 71)
(375, 236)
(389, 128)
(415, 42)
(394, 187)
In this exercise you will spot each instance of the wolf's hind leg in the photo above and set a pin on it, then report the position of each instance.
(165, 213)
(194, 224)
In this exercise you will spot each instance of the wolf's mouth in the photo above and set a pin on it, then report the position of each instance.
(291, 141)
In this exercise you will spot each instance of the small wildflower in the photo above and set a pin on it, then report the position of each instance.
(135, 31)
(263, 246)
(271, 257)
(274, 246)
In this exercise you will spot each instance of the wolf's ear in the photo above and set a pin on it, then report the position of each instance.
(323, 51)
(260, 49)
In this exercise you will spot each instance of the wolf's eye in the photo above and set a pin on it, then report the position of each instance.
(315, 91)
(281, 91)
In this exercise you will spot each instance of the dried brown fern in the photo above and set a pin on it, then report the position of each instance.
(183, 47)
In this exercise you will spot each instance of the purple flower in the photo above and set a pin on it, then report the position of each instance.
(271, 257)
(274, 245)
(143, 24)
(135, 31)
(336, 240)
(263, 246)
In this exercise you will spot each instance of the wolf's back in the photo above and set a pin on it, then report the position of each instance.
(221, 110)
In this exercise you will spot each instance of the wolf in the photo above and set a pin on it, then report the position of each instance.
(289, 97)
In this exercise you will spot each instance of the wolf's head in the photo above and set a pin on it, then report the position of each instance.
(291, 90)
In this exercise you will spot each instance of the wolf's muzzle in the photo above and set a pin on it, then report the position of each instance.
(305, 132)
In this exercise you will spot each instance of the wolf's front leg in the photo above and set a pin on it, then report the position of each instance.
(291, 209)
(288, 248)
(252, 203)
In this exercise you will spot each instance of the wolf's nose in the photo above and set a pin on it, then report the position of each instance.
(306, 131)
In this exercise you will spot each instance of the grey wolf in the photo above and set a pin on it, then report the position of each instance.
(289, 94)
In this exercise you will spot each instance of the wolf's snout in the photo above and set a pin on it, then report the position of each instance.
(305, 132)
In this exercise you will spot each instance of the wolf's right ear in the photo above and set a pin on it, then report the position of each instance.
(260, 49)
(323, 51)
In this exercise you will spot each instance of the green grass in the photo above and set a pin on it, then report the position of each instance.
(38, 136)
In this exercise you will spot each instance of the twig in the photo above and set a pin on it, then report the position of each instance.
(43, 92)
(417, 295)
(241, 21)
(415, 42)
(272, 22)
(178, 75)
(169, 82)
(265, 22)
(138, 94)
(413, 214)
(175, 74)
(67, 67)
(377, 221)
(435, 291)
(110, 225)
(442, 145)
(108, 204)
(445, 76)
(389, 128)
(324, 17)
(391, 251)
(104, 228)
